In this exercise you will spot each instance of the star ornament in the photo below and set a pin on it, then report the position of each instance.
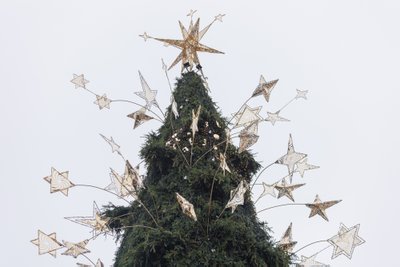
(274, 117)
(189, 46)
(75, 249)
(59, 181)
(79, 81)
(310, 262)
(147, 94)
(345, 241)
(247, 116)
(291, 157)
(98, 264)
(301, 94)
(248, 136)
(237, 196)
(286, 243)
(97, 222)
(114, 146)
(223, 165)
(303, 166)
(286, 190)
(186, 206)
(102, 101)
(145, 36)
(47, 243)
(264, 88)
(268, 189)
(195, 121)
(319, 207)
(139, 117)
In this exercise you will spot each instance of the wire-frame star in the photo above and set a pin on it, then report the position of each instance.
(345, 241)
(47, 243)
(59, 181)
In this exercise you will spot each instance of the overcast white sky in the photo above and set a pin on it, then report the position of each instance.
(346, 53)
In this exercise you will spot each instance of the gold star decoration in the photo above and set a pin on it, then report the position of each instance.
(286, 243)
(102, 101)
(264, 88)
(59, 181)
(75, 249)
(139, 117)
(98, 264)
(189, 46)
(47, 243)
(97, 222)
(187, 207)
(319, 207)
(291, 157)
(248, 136)
(237, 196)
(310, 262)
(247, 116)
(345, 241)
(223, 165)
(286, 190)
(79, 81)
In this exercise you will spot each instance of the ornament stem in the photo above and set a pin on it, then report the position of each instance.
(282, 205)
(312, 243)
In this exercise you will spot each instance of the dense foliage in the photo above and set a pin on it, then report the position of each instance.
(172, 238)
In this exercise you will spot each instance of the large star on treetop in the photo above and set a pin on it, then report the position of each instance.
(345, 241)
(190, 45)
(319, 207)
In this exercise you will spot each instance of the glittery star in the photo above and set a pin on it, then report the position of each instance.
(47, 243)
(274, 117)
(148, 95)
(301, 94)
(237, 196)
(310, 262)
(223, 165)
(219, 17)
(269, 189)
(128, 184)
(102, 101)
(75, 249)
(248, 136)
(187, 207)
(139, 117)
(145, 36)
(291, 157)
(303, 166)
(190, 45)
(97, 222)
(265, 88)
(286, 243)
(247, 115)
(319, 207)
(114, 146)
(286, 190)
(345, 241)
(58, 181)
(79, 81)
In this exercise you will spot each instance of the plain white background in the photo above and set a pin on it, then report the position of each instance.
(346, 53)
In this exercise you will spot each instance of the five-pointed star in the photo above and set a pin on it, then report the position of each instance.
(97, 222)
(345, 241)
(186, 206)
(301, 94)
(219, 17)
(223, 165)
(248, 136)
(310, 262)
(114, 146)
(102, 101)
(286, 243)
(195, 121)
(58, 181)
(264, 88)
(148, 95)
(303, 166)
(286, 190)
(47, 243)
(269, 189)
(274, 117)
(190, 45)
(291, 157)
(75, 249)
(319, 207)
(145, 36)
(139, 117)
(79, 81)
(237, 196)
(98, 264)
(247, 116)
(191, 13)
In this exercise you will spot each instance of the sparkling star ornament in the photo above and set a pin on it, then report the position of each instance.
(247, 116)
(248, 136)
(186, 206)
(59, 181)
(219, 17)
(139, 117)
(310, 262)
(98, 264)
(303, 166)
(301, 94)
(286, 243)
(195, 121)
(147, 94)
(102, 101)
(223, 165)
(319, 207)
(274, 117)
(237, 196)
(286, 190)
(345, 241)
(291, 157)
(264, 88)
(75, 249)
(268, 189)
(97, 222)
(79, 81)
(114, 146)
(128, 184)
(47, 243)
